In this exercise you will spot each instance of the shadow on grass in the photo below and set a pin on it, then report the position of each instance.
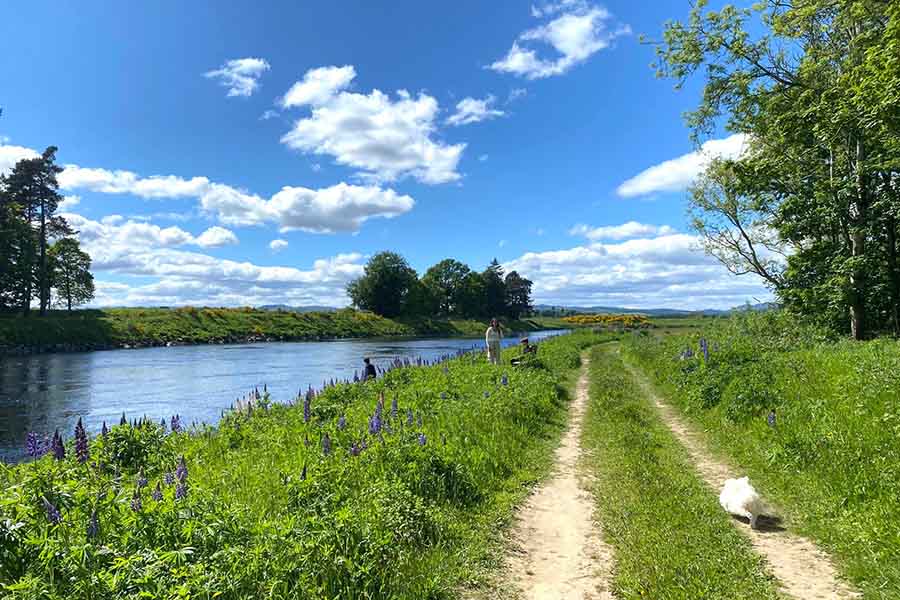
(764, 523)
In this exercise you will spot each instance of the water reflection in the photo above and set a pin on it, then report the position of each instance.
(48, 392)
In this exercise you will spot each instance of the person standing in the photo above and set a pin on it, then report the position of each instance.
(370, 372)
(492, 338)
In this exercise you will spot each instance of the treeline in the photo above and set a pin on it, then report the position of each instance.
(40, 259)
(391, 288)
(813, 204)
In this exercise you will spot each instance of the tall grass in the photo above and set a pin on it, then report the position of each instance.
(401, 508)
(832, 458)
(671, 539)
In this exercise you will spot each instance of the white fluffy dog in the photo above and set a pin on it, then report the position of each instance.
(739, 498)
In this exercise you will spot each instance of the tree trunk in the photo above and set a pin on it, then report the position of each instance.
(892, 272)
(44, 290)
(857, 250)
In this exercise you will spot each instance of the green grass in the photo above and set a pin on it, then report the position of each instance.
(670, 538)
(832, 463)
(269, 515)
(155, 326)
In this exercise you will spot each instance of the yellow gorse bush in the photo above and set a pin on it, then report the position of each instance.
(618, 321)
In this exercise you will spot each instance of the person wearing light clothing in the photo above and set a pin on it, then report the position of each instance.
(492, 338)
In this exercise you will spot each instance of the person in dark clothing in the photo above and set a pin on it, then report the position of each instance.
(370, 372)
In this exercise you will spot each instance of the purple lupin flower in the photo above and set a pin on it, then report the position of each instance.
(141, 478)
(175, 424)
(394, 408)
(53, 515)
(181, 472)
(375, 424)
(363, 445)
(487, 394)
(81, 443)
(504, 380)
(180, 491)
(306, 409)
(443, 395)
(342, 422)
(33, 445)
(136, 503)
(409, 416)
(326, 444)
(157, 493)
(93, 526)
(59, 450)
(421, 439)
(419, 419)
(354, 449)
(168, 478)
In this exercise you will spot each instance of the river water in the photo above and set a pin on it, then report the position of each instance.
(46, 392)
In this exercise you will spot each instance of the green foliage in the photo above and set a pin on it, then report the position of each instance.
(832, 460)
(70, 273)
(385, 287)
(267, 514)
(649, 497)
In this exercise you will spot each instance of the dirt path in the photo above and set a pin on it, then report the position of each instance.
(558, 549)
(804, 571)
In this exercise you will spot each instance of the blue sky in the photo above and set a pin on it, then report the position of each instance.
(232, 153)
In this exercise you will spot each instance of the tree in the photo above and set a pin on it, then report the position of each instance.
(70, 270)
(32, 190)
(815, 92)
(385, 285)
(446, 281)
(518, 295)
(471, 296)
(16, 244)
(494, 290)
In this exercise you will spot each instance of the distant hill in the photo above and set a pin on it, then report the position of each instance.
(655, 312)
(299, 309)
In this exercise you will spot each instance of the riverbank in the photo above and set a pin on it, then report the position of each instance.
(85, 330)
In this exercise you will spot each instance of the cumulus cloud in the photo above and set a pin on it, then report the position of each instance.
(240, 76)
(339, 208)
(129, 249)
(278, 245)
(631, 229)
(215, 237)
(678, 173)
(667, 270)
(10, 155)
(472, 110)
(68, 203)
(579, 31)
(385, 138)
(318, 86)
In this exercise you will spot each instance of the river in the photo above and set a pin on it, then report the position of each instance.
(46, 392)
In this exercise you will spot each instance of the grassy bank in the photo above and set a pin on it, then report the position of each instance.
(404, 507)
(832, 459)
(670, 538)
(159, 326)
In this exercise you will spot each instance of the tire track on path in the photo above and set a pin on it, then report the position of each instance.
(804, 570)
(558, 551)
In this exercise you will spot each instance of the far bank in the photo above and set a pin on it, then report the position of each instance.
(84, 330)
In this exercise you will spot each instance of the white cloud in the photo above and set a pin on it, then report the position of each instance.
(318, 86)
(472, 110)
(483, 157)
(10, 155)
(278, 245)
(678, 173)
(68, 203)
(126, 182)
(385, 138)
(141, 250)
(631, 229)
(215, 237)
(269, 114)
(341, 207)
(576, 34)
(501, 243)
(515, 94)
(667, 270)
(240, 76)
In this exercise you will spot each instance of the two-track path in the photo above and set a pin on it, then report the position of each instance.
(802, 569)
(558, 551)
